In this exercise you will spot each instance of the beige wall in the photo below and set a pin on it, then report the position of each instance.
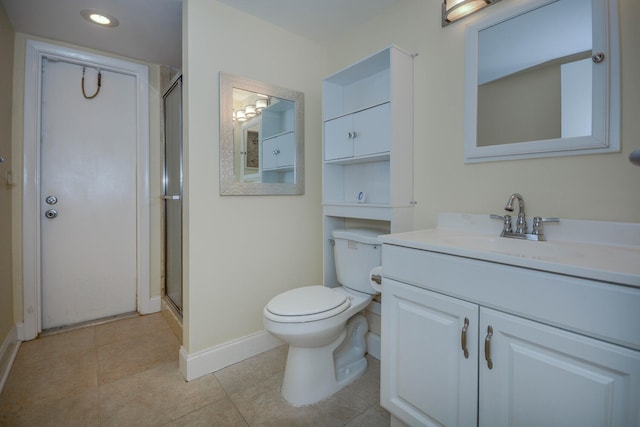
(601, 187)
(6, 73)
(520, 107)
(155, 168)
(240, 251)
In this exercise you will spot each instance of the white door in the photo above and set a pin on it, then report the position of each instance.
(88, 163)
(544, 376)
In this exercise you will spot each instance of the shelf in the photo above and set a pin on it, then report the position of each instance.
(357, 110)
(378, 157)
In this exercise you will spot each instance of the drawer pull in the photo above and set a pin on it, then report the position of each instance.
(487, 347)
(464, 338)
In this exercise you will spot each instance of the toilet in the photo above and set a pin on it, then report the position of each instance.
(323, 326)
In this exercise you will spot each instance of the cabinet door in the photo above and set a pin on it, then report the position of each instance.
(338, 142)
(287, 150)
(372, 129)
(269, 157)
(426, 380)
(544, 376)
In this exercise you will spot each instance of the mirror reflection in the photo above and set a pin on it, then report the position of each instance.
(534, 75)
(542, 78)
(261, 138)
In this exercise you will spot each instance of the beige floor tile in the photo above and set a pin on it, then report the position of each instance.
(263, 405)
(155, 397)
(375, 416)
(126, 329)
(221, 413)
(80, 409)
(256, 369)
(49, 347)
(135, 355)
(43, 380)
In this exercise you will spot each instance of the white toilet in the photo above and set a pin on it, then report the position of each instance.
(323, 327)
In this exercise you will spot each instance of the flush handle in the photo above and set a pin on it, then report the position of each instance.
(377, 278)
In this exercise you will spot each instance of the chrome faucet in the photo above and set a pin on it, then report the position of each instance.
(521, 222)
(520, 231)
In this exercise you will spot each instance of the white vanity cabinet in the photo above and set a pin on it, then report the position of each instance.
(367, 168)
(563, 351)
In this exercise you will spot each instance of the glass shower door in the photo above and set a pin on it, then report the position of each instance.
(172, 101)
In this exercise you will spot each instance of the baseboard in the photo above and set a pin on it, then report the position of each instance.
(373, 345)
(215, 358)
(153, 305)
(8, 352)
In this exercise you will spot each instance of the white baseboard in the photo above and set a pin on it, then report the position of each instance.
(8, 352)
(153, 305)
(20, 331)
(373, 345)
(215, 358)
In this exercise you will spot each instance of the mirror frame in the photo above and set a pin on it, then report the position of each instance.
(605, 137)
(229, 186)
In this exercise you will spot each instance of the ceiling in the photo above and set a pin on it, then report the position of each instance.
(151, 30)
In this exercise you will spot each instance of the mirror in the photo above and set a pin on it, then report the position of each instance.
(261, 138)
(542, 79)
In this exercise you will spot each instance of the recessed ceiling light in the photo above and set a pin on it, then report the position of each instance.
(99, 17)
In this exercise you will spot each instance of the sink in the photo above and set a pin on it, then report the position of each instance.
(512, 247)
(605, 251)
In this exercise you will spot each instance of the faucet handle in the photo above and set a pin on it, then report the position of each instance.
(506, 219)
(537, 223)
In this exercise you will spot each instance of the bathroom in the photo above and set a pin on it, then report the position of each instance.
(241, 251)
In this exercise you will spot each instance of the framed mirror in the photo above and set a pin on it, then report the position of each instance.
(542, 79)
(261, 138)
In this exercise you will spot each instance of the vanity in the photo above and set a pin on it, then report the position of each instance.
(482, 330)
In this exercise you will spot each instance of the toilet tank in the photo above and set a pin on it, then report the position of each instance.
(356, 252)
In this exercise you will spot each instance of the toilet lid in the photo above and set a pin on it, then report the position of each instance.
(307, 300)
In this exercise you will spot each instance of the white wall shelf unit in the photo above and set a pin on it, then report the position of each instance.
(368, 148)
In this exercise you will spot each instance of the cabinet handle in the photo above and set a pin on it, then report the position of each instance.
(487, 347)
(464, 338)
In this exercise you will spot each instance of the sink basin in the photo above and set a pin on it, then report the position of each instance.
(512, 247)
(604, 251)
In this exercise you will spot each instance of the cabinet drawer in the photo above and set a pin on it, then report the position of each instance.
(601, 310)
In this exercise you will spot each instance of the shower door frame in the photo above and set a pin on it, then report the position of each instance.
(176, 82)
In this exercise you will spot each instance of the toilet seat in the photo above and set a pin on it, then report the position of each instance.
(306, 304)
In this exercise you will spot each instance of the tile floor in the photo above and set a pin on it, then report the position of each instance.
(125, 373)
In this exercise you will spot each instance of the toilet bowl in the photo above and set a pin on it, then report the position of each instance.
(322, 325)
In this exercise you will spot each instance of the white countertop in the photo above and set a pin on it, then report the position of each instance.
(598, 250)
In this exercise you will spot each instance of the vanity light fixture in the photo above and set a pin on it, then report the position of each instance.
(250, 111)
(454, 10)
(261, 104)
(100, 18)
(240, 116)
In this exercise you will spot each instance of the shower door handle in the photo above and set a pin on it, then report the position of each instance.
(171, 197)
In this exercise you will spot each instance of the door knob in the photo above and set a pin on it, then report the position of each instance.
(51, 213)
(51, 200)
